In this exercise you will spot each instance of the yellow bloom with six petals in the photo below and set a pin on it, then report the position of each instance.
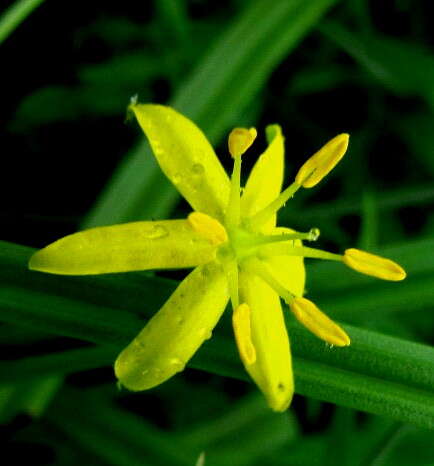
(237, 252)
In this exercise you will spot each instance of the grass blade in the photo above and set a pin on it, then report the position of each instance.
(224, 83)
(13, 16)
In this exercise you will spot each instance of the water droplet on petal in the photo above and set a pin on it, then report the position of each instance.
(176, 178)
(205, 333)
(197, 169)
(314, 234)
(179, 320)
(156, 232)
(176, 363)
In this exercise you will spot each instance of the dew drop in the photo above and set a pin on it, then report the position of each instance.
(179, 320)
(156, 232)
(176, 363)
(205, 333)
(146, 371)
(176, 178)
(314, 234)
(197, 169)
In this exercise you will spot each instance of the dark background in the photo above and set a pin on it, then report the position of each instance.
(68, 73)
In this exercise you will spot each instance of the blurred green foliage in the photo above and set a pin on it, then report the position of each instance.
(69, 161)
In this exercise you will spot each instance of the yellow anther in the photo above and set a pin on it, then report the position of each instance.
(318, 323)
(370, 264)
(208, 227)
(322, 162)
(240, 139)
(243, 337)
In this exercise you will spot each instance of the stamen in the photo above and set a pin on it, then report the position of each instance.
(370, 264)
(322, 162)
(277, 249)
(243, 336)
(304, 310)
(208, 227)
(233, 209)
(239, 140)
(318, 323)
(267, 212)
(231, 271)
(258, 268)
(311, 235)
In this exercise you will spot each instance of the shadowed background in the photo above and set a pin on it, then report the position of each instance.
(71, 159)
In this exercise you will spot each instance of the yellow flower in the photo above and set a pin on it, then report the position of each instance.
(237, 251)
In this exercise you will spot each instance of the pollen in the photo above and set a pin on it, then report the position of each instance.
(240, 139)
(323, 161)
(370, 264)
(242, 330)
(318, 323)
(208, 227)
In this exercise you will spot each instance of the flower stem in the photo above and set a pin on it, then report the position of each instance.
(263, 215)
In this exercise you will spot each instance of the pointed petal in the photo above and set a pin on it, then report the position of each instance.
(175, 333)
(318, 323)
(265, 180)
(289, 271)
(186, 157)
(124, 248)
(272, 370)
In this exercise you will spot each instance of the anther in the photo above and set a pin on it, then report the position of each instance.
(317, 322)
(208, 227)
(240, 139)
(322, 162)
(370, 264)
(242, 330)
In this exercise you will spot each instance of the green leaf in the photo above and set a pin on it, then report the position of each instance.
(373, 374)
(418, 195)
(248, 431)
(227, 79)
(120, 438)
(27, 396)
(14, 15)
(404, 68)
(416, 130)
(352, 296)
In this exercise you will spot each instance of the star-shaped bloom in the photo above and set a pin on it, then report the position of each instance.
(237, 252)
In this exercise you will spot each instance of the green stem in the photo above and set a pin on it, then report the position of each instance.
(263, 215)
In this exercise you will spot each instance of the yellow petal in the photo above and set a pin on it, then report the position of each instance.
(208, 227)
(124, 248)
(265, 180)
(318, 323)
(272, 370)
(370, 264)
(322, 162)
(240, 139)
(174, 334)
(186, 157)
(243, 334)
(289, 271)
